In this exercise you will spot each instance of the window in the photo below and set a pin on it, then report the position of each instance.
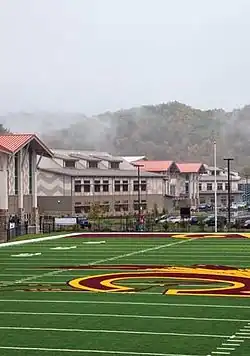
(224, 200)
(172, 189)
(117, 206)
(186, 188)
(125, 186)
(241, 187)
(226, 186)
(114, 165)
(144, 205)
(30, 173)
(136, 185)
(86, 186)
(97, 186)
(69, 164)
(105, 186)
(125, 205)
(200, 186)
(187, 177)
(78, 209)
(93, 164)
(209, 186)
(105, 206)
(117, 186)
(136, 205)
(220, 186)
(86, 207)
(16, 173)
(78, 187)
(143, 186)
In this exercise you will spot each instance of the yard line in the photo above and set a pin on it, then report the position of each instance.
(52, 273)
(90, 351)
(125, 316)
(122, 303)
(104, 331)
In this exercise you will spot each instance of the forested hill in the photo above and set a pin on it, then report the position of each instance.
(167, 131)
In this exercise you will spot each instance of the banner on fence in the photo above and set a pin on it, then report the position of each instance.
(65, 221)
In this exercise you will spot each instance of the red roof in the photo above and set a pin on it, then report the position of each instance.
(190, 167)
(154, 166)
(12, 143)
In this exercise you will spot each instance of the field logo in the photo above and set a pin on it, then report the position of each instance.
(219, 280)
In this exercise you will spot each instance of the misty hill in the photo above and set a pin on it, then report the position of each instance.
(166, 131)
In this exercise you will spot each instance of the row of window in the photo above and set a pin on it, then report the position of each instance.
(104, 186)
(90, 164)
(119, 206)
(210, 186)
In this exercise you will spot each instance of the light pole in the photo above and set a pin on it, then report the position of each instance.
(228, 188)
(215, 190)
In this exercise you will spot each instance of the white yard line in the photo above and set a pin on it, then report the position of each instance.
(104, 331)
(133, 316)
(106, 352)
(122, 303)
(52, 273)
(38, 239)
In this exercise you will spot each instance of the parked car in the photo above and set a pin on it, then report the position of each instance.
(240, 221)
(83, 222)
(210, 220)
(247, 224)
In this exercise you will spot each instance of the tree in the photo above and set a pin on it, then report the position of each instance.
(3, 130)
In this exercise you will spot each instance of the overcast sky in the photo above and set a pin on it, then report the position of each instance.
(95, 55)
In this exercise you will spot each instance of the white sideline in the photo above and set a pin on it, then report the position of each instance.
(39, 239)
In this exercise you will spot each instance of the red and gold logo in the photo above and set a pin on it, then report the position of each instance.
(219, 280)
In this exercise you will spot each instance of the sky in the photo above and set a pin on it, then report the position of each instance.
(91, 56)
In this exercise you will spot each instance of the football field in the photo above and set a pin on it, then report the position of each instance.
(126, 296)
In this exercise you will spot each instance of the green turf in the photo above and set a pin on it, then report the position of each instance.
(143, 323)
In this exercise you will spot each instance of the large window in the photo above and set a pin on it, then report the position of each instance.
(125, 186)
(105, 185)
(186, 188)
(16, 174)
(97, 186)
(117, 206)
(117, 186)
(30, 173)
(209, 186)
(125, 205)
(136, 185)
(86, 186)
(219, 186)
(78, 186)
(143, 186)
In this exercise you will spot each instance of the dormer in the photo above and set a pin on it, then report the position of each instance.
(65, 160)
(113, 162)
(68, 163)
(91, 161)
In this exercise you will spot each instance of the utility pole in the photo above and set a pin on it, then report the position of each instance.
(246, 188)
(138, 166)
(228, 189)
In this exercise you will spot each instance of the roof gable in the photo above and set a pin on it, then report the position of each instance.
(191, 168)
(13, 143)
(156, 166)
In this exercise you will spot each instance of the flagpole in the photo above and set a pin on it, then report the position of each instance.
(215, 189)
